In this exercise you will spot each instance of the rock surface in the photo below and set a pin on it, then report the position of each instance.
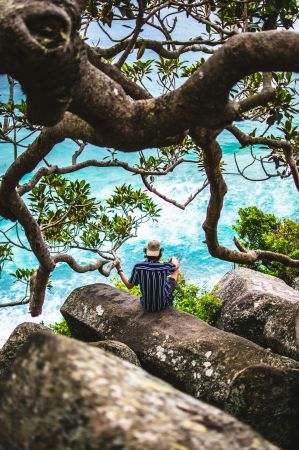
(63, 395)
(193, 356)
(261, 308)
(295, 284)
(15, 342)
(118, 349)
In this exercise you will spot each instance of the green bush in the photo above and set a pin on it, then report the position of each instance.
(60, 328)
(258, 230)
(189, 298)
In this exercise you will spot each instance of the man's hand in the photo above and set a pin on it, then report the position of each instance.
(174, 261)
(117, 263)
(123, 277)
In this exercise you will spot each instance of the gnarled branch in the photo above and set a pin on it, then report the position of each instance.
(212, 155)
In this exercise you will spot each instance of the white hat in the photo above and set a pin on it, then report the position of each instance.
(153, 248)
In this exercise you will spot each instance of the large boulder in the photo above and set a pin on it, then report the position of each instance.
(63, 395)
(261, 308)
(118, 349)
(15, 343)
(193, 356)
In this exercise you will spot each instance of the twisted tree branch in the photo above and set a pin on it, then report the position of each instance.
(212, 154)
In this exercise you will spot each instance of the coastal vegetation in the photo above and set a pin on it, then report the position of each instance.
(60, 328)
(188, 297)
(257, 229)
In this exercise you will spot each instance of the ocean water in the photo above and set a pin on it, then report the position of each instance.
(180, 232)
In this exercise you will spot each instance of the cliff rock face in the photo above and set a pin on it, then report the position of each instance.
(199, 359)
(118, 349)
(14, 344)
(62, 394)
(261, 308)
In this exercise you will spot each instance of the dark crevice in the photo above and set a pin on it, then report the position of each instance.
(50, 31)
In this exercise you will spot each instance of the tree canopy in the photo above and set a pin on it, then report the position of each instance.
(245, 55)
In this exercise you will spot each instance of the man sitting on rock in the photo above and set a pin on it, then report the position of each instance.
(157, 280)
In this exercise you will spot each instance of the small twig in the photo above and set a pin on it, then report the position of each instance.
(172, 201)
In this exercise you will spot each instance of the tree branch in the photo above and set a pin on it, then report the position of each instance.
(43, 171)
(68, 259)
(132, 41)
(202, 100)
(182, 206)
(286, 146)
(24, 301)
(38, 287)
(132, 89)
(212, 155)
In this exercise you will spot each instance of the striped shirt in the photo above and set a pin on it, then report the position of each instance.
(152, 277)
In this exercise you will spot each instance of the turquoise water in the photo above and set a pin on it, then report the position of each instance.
(179, 231)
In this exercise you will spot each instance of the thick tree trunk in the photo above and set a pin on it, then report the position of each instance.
(38, 287)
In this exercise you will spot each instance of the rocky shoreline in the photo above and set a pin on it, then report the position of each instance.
(79, 395)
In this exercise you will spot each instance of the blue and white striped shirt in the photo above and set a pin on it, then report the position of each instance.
(152, 277)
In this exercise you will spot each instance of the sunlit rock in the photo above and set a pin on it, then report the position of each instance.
(194, 357)
(261, 308)
(15, 343)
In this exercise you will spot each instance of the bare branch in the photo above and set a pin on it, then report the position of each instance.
(131, 43)
(43, 171)
(78, 153)
(286, 146)
(70, 260)
(289, 156)
(24, 301)
(182, 206)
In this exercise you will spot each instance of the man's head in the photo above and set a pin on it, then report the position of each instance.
(153, 251)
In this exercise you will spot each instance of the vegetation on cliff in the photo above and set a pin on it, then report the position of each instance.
(257, 229)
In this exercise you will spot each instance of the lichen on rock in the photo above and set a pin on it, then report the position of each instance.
(78, 397)
(261, 308)
(195, 357)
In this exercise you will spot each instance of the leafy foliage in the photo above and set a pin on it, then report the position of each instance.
(189, 298)
(138, 70)
(22, 275)
(106, 10)
(70, 216)
(6, 254)
(197, 301)
(265, 14)
(17, 111)
(258, 230)
(187, 71)
(60, 328)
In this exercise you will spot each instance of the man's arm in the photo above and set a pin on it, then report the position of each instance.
(123, 277)
(175, 273)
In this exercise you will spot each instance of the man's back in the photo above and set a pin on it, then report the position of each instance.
(156, 288)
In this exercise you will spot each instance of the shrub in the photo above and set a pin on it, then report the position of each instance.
(258, 230)
(189, 298)
(61, 328)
